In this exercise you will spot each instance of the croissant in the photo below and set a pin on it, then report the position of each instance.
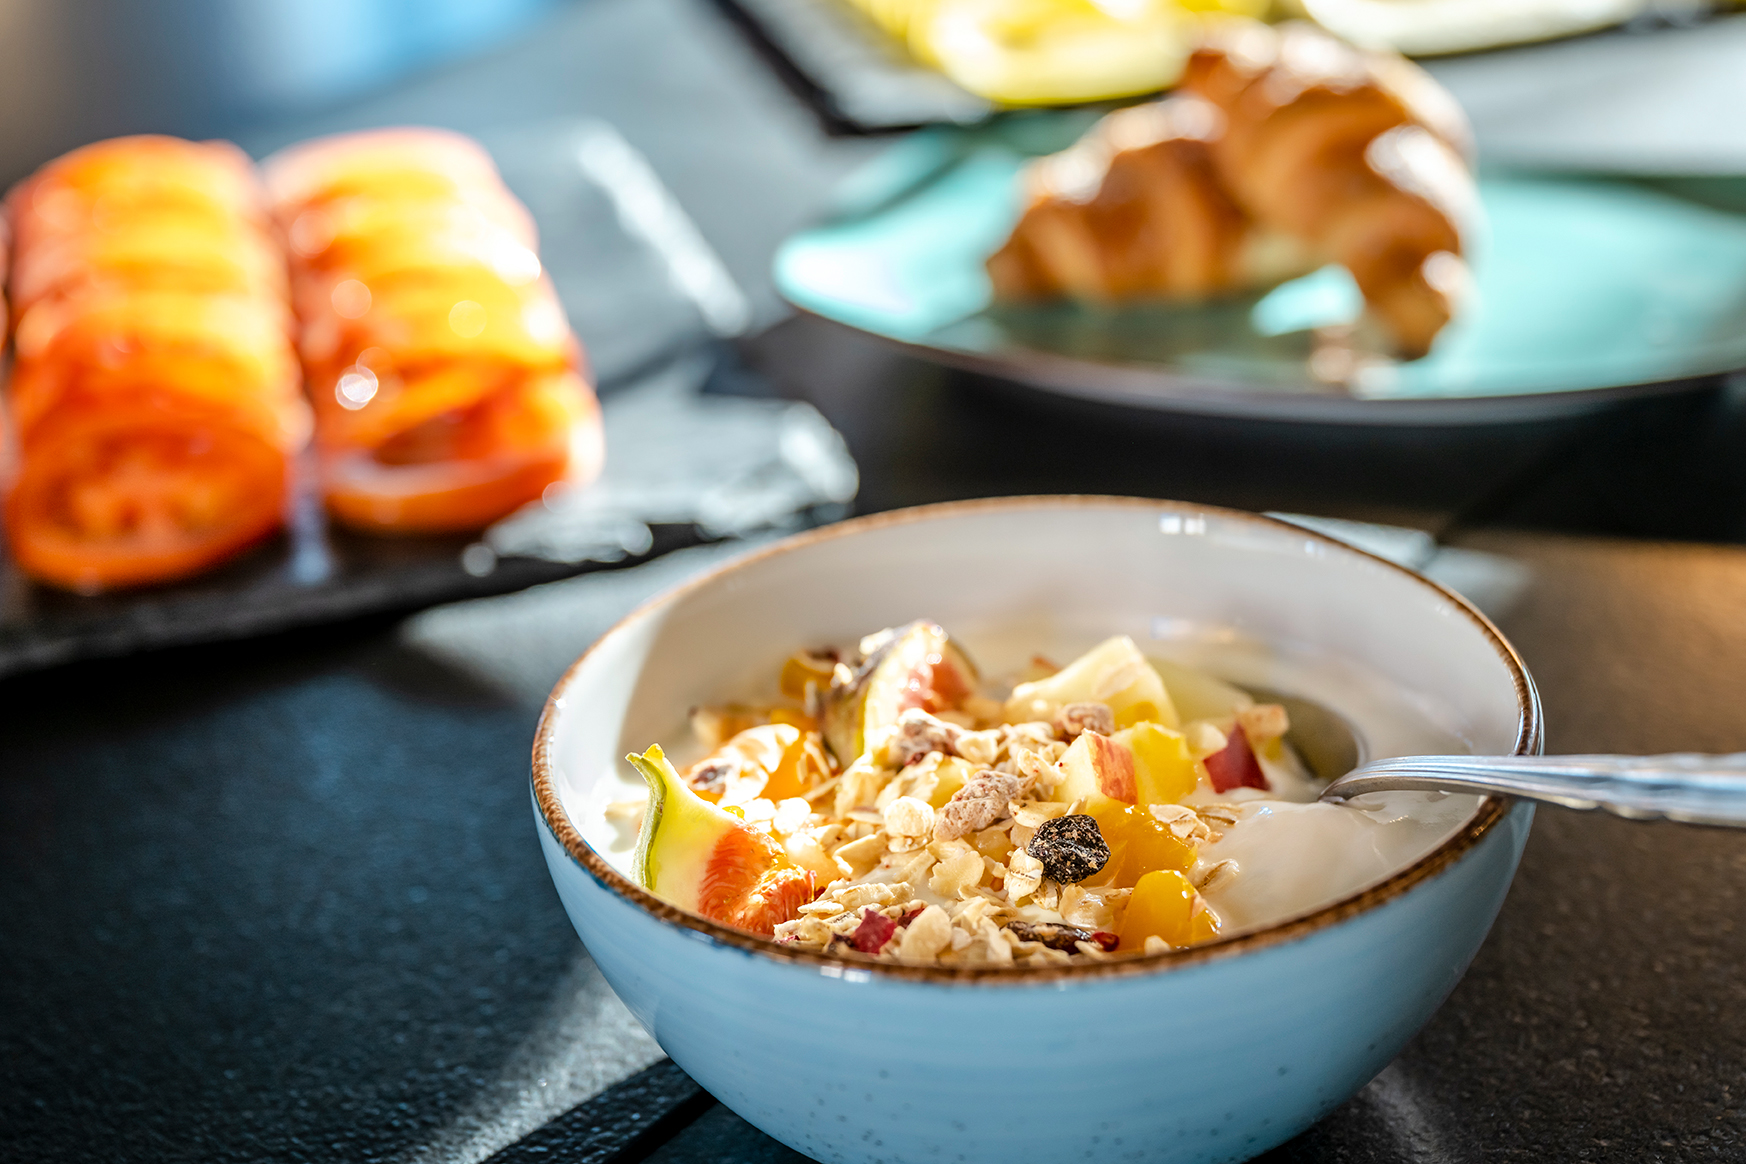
(1286, 149)
(155, 397)
(1135, 209)
(1358, 155)
(447, 385)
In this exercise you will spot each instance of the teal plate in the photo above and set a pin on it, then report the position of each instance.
(1586, 289)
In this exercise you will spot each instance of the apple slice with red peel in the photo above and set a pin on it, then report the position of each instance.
(1144, 764)
(1113, 672)
(912, 666)
(707, 860)
(1236, 766)
(1097, 766)
(1099, 771)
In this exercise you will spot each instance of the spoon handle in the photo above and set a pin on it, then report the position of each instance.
(1684, 786)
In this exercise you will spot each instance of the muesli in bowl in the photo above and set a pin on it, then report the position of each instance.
(896, 804)
(1340, 936)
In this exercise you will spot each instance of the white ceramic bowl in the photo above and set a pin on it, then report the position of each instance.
(1209, 1054)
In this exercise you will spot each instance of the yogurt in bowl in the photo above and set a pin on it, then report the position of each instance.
(1215, 1051)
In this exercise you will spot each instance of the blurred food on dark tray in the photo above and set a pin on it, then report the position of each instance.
(1053, 52)
(448, 386)
(155, 400)
(1285, 150)
(1046, 52)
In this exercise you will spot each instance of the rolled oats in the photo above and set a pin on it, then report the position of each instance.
(909, 823)
(1183, 822)
(791, 816)
(1215, 874)
(1024, 873)
(857, 858)
(995, 944)
(926, 936)
(1034, 812)
(858, 896)
(860, 785)
(980, 748)
(957, 873)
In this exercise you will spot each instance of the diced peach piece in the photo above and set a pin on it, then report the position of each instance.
(1164, 904)
(1143, 844)
(1164, 769)
(770, 761)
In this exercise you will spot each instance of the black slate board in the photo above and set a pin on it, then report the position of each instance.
(854, 75)
(632, 318)
(267, 591)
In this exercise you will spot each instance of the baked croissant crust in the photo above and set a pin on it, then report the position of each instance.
(1285, 149)
(1134, 209)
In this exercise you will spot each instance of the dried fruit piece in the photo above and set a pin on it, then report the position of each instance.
(1070, 847)
(1236, 766)
(874, 931)
(919, 733)
(1062, 937)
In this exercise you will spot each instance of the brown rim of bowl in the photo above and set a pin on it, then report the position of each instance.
(1491, 811)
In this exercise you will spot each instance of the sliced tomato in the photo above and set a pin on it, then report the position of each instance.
(116, 503)
(463, 471)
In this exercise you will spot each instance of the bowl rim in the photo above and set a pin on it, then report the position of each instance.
(1529, 741)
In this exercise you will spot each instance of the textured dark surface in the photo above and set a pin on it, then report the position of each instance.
(267, 901)
(282, 899)
(628, 1119)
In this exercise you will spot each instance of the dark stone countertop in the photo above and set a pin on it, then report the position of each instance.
(281, 899)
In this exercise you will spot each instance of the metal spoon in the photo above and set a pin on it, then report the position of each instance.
(1684, 786)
